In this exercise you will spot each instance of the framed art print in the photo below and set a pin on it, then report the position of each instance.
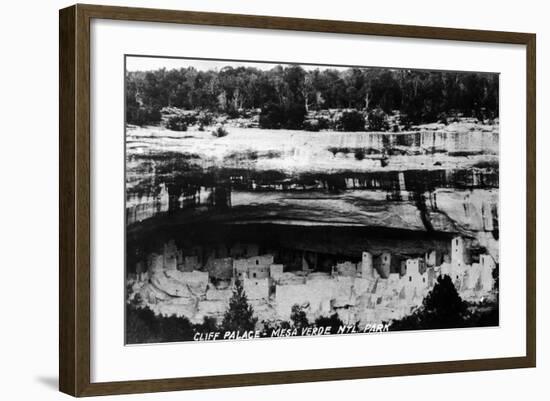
(250, 200)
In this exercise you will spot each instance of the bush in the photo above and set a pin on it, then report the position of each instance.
(272, 154)
(311, 125)
(298, 317)
(333, 321)
(316, 124)
(233, 113)
(324, 123)
(359, 153)
(205, 119)
(142, 115)
(378, 120)
(177, 123)
(144, 326)
(220, 132)
(295, 115)
(443, 118)
(208, 324)
(242, 155)
(335, 150)
(274, 116)
(351, 121)
(408, 121)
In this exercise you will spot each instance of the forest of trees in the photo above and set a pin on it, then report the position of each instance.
(287, 93)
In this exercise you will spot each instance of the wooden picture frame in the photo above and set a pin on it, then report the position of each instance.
(74, 203)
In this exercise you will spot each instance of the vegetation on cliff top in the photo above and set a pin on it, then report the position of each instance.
(285, 94)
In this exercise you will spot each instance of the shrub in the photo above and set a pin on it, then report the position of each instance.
(272, 154)
(208, 324)
(177, 123)
(270, 326)
(295, 115)
(144, 326)
(220, 132)
(272, 116)
(443, 118)
(408, 121)
(311, 125)
(242, 155)
(142, 115)
(359, 153)
(351, 121)
(189, 118)
(205, 119)
(275, 116)
(324, 123)
(378, 120)
(233, 112)
(316, 124)
(298, 317)
(333, 321)
(335, 150)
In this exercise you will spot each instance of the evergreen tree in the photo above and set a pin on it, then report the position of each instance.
(442, 308)
(298, 317)
(144, 326)
(333, 321)
(240, 315)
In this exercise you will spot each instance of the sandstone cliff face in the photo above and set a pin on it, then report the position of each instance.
(188, 294)
(439, 178)
(466, 212)
(472, 213)
(475, 210)
(314, 151)
(336, 193)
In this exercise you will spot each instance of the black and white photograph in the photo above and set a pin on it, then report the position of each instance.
(269, 200)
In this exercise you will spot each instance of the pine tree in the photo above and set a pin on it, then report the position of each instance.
(240, 315)
(442, 308)
(298, 317)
